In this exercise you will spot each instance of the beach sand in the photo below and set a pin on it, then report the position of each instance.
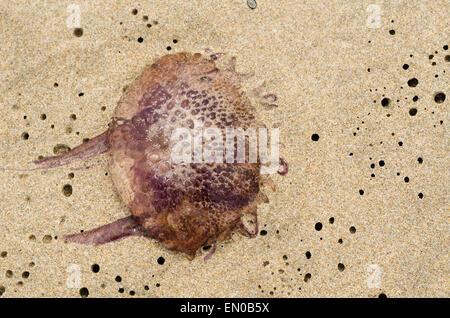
(331, 63)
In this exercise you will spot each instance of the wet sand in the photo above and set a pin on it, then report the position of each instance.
(374, 176)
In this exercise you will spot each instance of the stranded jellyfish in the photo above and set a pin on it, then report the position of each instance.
(183, 205)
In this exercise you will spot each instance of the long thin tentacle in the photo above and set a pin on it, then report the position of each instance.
(89, 149)
(114, 231)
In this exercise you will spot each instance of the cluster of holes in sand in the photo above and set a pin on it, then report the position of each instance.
(387, 103)
(83, 291)
(306, 275)
(11, 275)
(119, 281)
(412, 110)
(59, 148)
(438, 96)
(145, 19)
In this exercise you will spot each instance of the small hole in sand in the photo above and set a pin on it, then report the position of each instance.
(60, 149)
(412, 111)
(78, 32)
(252, 4)
(67, 190)
(84, 292)
(413, 82)
(385, 102)
(95, 268)
(307, 277)
(439, 97)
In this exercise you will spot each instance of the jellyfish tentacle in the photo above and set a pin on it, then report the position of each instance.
(214, 56)
(114, 231)
(89, 149)
(245, 231)
(285, 167)
(267, 100)
(211, 252)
